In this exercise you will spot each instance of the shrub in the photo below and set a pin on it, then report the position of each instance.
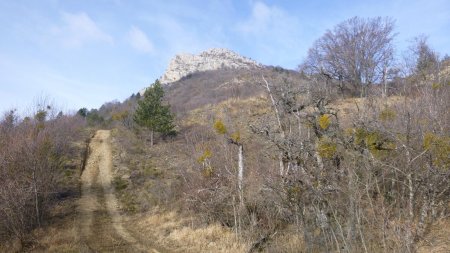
(119, 183)
(324, 121)
(326, 148)
(387, 115)
(439, 147)
(220, 127)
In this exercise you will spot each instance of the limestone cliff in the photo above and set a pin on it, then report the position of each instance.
(212, 59)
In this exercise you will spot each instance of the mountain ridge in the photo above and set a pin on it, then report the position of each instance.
(211, 59)
(185, 64)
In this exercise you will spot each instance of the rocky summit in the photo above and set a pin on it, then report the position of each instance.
(184, 64)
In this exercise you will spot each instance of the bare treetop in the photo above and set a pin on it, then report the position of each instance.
(357, 52)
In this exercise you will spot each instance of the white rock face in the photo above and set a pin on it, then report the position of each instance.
(216, 58)
(212, 59)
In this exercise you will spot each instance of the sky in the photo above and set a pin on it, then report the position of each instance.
(87, 52)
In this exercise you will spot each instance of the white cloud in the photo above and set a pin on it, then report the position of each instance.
(79, 29)
(264, 19)
(139, 40)
(273, 31)
(182, 35)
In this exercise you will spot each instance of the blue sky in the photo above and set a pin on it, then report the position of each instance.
(87, 52)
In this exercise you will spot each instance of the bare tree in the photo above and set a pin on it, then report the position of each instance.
(34, 157)
(356, 53)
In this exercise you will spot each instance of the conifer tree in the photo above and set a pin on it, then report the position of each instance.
(152, 114)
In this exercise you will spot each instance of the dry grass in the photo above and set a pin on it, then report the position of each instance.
(232, 108)
(178, 233)
(286, 243)
(61, 239)
(10, 246)
(59, 235)
(260, 105)
(438, 238)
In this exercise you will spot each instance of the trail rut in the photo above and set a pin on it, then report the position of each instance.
(101, 226)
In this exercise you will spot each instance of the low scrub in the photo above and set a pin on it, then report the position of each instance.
(39, 164)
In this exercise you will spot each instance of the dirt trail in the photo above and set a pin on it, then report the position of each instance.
(100, 225)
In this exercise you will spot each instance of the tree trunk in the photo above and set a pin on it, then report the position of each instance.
(409, 232)
(36, 199)
(277, 114)
(351, 211)
(409, 178)
(151, 138)
(241, 172)
(384, 82)
(235, 214)
(280, 160)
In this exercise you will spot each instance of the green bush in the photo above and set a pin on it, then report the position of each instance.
(119, 183)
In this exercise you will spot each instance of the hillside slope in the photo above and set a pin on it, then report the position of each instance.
(215, 86)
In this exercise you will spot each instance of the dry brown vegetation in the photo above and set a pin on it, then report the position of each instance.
(320, 174)
(182, 234)
(351, 175)
(212, 87)
(39, 168)
(265, 160)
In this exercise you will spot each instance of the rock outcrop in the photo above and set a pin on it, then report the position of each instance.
(184, 64)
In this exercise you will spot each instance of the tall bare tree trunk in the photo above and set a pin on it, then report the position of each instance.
(36, 199)
(351, 224)
(235, 214)
(241, 173)
(384, 81)
(409, 232)
(277, 114)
